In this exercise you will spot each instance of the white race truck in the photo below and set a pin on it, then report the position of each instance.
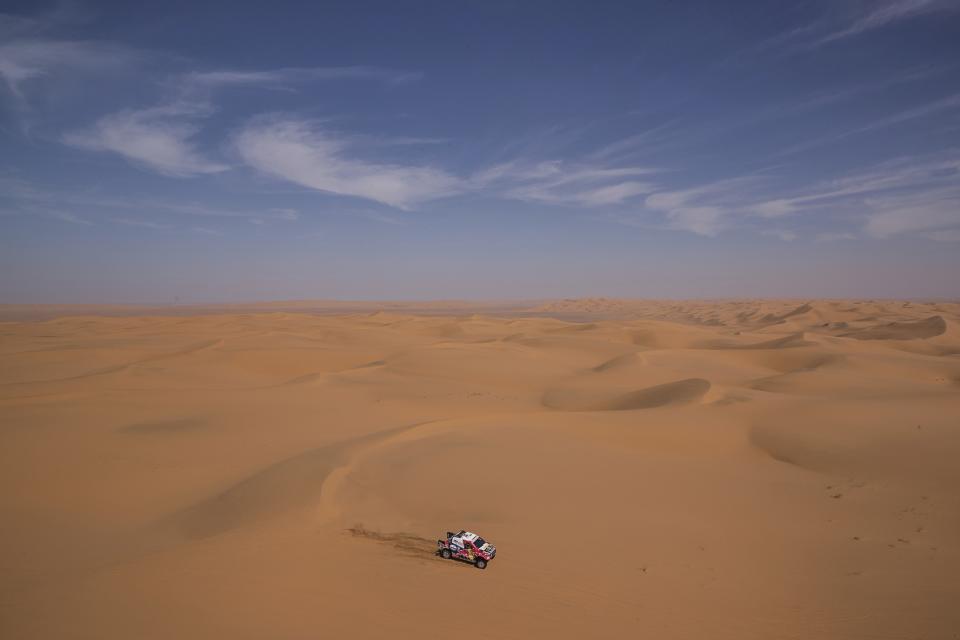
(467, 546)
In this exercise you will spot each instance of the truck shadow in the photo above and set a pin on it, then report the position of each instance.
(406, 544)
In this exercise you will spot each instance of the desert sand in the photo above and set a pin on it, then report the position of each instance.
(707, 469)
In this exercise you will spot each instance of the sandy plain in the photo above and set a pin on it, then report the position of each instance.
(726, 469)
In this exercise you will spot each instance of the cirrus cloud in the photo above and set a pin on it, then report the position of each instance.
(298, 151)
(158, 138)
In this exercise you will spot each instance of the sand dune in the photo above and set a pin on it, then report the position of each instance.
(786, 342)
(284, 485)
(674, 469)
(616, 362)
(907, 330)
(601, 399)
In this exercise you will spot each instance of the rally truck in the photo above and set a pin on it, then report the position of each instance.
(468, 547)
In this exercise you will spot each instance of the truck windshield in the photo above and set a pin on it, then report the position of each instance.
(479, 542)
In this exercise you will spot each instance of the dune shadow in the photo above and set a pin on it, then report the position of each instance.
(289, 484)
(670, 393)
(163, 426)
(617, 362)
(907, 330)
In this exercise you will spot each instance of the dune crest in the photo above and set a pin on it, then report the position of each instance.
(670, 393)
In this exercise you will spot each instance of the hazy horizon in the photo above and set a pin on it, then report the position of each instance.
(373, 151)
(473, 301)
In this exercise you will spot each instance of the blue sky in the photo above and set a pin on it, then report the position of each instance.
(223, 152)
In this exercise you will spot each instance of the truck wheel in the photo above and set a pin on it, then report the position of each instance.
(481, 563)
(445, 554)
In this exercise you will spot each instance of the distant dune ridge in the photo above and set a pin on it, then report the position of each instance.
(903, 330)
(728, 469)
(602, 399)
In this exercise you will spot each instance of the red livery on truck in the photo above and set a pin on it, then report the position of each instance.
(468, 547)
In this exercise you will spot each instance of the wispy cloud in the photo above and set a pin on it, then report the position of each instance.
(839, 25)
(903, 195)
(930, 212)
(67, 216)
(30, 52)
(922, 111)
(704, 209)
(773, 208)
(25, 60)
(158, 138)
(162, 138)
(643, 140)
(133, 222)
(703, 221)
(53, 213)
(945, 235)
(911, 173)
(286, 213)
(301, 152)
(12, 26)
(565, 183)
(835, 236)
(207, 231)
(382, 218)
(28, 198)
(916, 194)
(849, 91)
(289, 76)
(782, 234)
(882, 14)
(305, 153)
